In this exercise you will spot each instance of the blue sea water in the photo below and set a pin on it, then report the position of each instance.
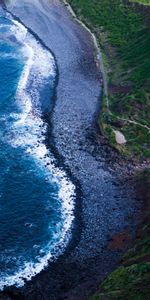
(36, 198)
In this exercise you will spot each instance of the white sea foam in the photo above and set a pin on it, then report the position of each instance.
(29, 130)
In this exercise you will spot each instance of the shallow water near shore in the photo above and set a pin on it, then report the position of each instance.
(36, 198)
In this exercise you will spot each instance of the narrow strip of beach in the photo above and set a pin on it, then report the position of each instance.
(108, 205)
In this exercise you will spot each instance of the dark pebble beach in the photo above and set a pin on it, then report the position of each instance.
(106, 197)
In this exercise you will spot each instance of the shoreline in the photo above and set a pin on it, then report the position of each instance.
(70, 272)
(65, 180)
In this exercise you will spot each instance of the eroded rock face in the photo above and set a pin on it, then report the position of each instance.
(120, 138)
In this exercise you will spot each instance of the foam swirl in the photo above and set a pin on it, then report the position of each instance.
(28, 131)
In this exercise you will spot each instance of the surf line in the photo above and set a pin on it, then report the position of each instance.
(46, 118)
(60, 174)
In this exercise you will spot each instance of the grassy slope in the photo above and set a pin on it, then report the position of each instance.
(124, 38)
(147, 2)
(125, 41)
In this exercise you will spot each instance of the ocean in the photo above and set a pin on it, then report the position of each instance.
(36, 197)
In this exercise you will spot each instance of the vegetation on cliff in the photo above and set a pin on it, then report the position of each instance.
(146, 2)
(131, 281)
(123, 31)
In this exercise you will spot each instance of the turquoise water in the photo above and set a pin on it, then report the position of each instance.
(36, 201)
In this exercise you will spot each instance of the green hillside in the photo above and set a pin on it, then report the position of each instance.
(122, 29)
(147, 2)
(123, 33)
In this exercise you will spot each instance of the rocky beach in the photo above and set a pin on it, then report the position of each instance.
(107, 207)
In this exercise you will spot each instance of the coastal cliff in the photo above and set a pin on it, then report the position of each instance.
(130, 281)
(122, 29)
(107, 208)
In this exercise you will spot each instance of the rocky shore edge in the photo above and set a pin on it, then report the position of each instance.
(108, 196)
